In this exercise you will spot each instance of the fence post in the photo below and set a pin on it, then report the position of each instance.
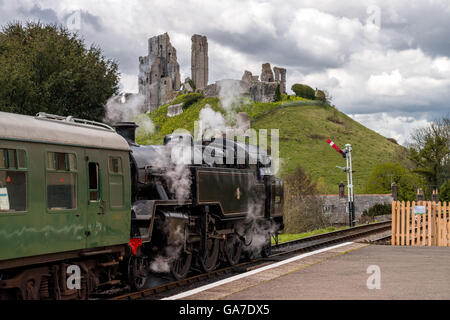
(394, 206)
(430, 224)
(397, 235)
(424, 226)
(447, 226)
(413, 223)
(439, 225)
(408, 218)
(402, 233)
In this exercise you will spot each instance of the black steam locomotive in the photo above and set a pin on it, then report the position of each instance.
(225, 209)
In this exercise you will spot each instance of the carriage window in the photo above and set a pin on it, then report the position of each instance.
(13, 180)
(94, 183)
(61, 181)
(115, 165)
(61, 161)
(116, 182)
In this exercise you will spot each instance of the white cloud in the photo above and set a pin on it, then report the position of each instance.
(380, 74)
(397, 127)
(386, 84)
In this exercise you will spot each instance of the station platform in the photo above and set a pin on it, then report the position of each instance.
(350, 271)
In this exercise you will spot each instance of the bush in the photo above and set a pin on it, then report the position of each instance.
(304, 91)
(392, 140)
(277, 96)
(187, 99)
(378, 210)
(320, 95)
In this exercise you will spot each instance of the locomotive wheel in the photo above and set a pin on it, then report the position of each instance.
(137, 272)
(208, 259)
(180, 267)
(233, 249)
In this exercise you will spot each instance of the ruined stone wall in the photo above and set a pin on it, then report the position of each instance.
(159, 72)
(264, 90)
(280, 77)
(199, 61)
(266, 73)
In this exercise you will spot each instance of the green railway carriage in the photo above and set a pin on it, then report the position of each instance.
(64, 188)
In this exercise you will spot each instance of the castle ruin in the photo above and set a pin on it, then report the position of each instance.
(159, 72)
(159, 75)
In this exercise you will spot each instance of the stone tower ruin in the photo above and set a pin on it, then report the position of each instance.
(280, 76)
(199, 61)
(159, 72)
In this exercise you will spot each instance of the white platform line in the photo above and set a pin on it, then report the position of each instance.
(249, 273)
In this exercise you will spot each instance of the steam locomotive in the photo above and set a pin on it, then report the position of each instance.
(83, 207)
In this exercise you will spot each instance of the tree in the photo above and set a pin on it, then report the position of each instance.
(277, 96)
(304, 91)
(430, 152)
(383, 175)
(324, 96)
(444, 192)
(46, 68)
(303, 206)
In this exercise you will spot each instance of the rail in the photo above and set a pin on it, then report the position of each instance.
(295, 246)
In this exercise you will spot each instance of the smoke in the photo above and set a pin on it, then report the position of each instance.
(212, 123)
(230, 92)
(172, 162)
(256, 230)
(124, 107)
(161, 263)
(231, 96)
(146, 126)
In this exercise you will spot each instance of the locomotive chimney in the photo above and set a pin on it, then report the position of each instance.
(127, 130)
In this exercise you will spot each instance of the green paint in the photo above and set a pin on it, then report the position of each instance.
(41, 231)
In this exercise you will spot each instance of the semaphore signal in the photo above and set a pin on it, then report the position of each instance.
(347, 154)
(335, 147)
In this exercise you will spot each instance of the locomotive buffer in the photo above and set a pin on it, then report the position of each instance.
(347, 154)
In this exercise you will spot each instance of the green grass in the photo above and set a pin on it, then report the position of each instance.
(285, 237)
(304, 126)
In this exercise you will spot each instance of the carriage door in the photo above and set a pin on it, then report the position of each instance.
(96, 207)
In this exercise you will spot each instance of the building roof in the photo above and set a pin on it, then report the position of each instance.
(60, 130)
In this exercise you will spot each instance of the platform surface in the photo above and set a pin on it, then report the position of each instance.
(343, 273)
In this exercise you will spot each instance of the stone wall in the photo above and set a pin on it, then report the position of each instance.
(335, 206)
(159, 72)
(264, 90)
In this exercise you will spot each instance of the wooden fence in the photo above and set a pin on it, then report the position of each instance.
(423, 223)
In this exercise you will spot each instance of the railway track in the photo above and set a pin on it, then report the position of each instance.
(278, 252)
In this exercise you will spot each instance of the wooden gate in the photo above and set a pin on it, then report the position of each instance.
(423, 223)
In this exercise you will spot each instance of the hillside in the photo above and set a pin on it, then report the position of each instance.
(304, 127)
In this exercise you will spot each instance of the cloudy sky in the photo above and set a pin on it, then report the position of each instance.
(386, 63)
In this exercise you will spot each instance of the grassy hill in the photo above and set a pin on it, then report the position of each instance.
(304, 126)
